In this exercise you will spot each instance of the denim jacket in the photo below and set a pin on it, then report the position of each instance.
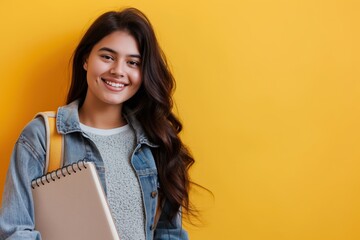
(28, 160)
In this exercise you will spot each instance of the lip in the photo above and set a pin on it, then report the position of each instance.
(115, 82)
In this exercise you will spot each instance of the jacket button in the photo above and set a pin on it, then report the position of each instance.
(153, 194)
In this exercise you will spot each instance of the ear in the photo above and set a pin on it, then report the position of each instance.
(85, 65)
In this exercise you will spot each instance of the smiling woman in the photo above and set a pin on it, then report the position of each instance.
(113, 76)
(119, 116)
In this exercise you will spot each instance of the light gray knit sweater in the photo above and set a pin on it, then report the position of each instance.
(123, 188)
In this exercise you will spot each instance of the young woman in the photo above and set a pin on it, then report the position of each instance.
(119, 116)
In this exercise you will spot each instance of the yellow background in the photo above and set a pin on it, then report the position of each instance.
(268, 91)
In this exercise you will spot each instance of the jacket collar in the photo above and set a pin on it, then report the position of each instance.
(67, 121)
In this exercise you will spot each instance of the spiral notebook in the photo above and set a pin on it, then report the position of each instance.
(70, 204)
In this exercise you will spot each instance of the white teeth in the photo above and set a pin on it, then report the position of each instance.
(117, 85)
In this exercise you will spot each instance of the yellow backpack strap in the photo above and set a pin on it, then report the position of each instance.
(54, 142)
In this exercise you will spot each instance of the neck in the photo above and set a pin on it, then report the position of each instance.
(101, 115)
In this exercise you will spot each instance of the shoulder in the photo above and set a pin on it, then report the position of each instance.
(34, 129)
(33, 136)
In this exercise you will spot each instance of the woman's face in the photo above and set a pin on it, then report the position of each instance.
(113, 69)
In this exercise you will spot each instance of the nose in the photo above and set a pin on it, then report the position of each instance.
(118, 69)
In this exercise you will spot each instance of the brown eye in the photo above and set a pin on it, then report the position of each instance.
(134, 63)
(107, 57)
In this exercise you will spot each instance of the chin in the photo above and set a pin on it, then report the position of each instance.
(114, 101)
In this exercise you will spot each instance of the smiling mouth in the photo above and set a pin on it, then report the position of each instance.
(113, 84)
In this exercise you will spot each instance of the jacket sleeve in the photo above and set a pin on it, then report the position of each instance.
(17, 210)
(170, 230)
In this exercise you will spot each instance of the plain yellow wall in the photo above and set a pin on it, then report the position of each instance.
(268, 91)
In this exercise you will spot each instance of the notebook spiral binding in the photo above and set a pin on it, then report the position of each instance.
(58, 174)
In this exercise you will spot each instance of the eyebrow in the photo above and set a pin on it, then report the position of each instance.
(113, 51)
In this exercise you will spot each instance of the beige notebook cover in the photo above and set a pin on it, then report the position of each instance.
(70, 204)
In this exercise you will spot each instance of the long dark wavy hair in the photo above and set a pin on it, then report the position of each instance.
(152, 104)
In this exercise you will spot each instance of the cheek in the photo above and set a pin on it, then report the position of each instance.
(96, 68)
(137, 77)
(93, 76)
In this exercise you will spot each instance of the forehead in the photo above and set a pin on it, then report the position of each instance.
(120, 42)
